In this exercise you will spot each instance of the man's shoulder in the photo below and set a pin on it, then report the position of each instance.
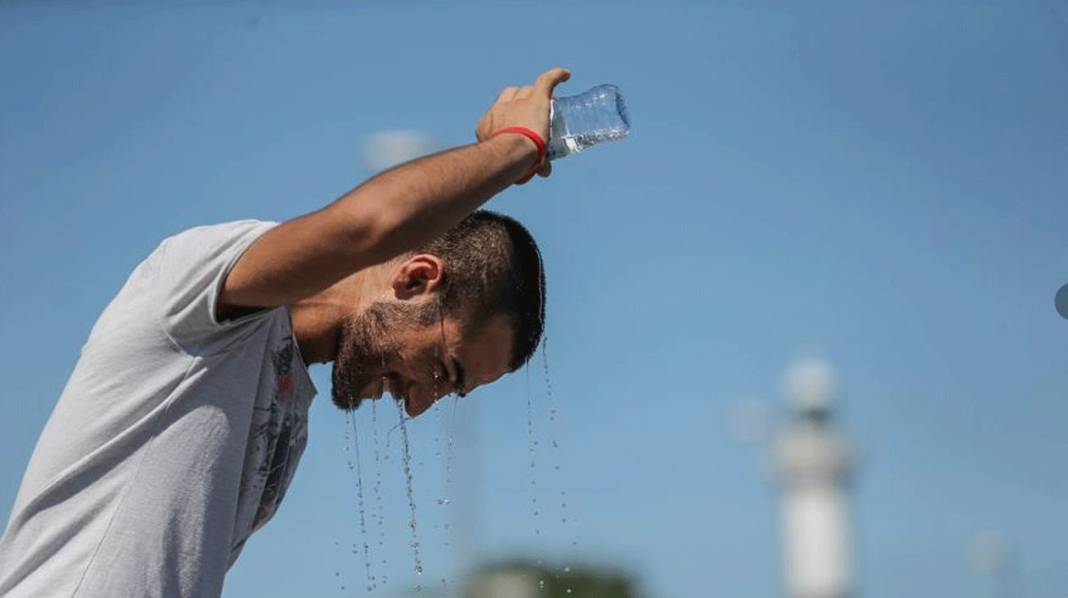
(221, 230)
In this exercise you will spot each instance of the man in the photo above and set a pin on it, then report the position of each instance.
(183, 422)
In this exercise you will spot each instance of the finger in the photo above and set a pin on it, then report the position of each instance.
(524, 92)
(546, 169)
(507, 94)
(548, 80)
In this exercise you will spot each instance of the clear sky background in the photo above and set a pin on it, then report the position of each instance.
(883, 182)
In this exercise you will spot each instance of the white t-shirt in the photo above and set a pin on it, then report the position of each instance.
(175, 437)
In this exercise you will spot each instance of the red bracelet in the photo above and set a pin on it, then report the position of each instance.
(538, 141)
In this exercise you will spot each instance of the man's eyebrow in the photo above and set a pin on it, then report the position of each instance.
(461, 377)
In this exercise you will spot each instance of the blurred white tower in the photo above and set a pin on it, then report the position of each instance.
(814, 466)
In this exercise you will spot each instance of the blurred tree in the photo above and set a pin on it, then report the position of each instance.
(524, 579)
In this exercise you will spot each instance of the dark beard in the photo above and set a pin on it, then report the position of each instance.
(367, 344)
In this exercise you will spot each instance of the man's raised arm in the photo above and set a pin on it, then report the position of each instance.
(395, 211)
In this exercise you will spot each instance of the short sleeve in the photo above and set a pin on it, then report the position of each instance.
(193, 266)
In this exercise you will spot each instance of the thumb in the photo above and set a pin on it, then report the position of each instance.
(548, 80)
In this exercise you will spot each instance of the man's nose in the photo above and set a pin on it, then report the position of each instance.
(427, 396)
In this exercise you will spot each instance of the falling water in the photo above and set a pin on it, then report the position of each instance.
(337, 574)
(357, 471)
(555, 454)
(448, 425)
(407, 457)
(449, 440)
(377, 489)
(442, 501)
(532, 443)
(531, 451)
(443, 428)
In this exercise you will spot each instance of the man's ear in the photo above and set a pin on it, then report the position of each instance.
(417, 275)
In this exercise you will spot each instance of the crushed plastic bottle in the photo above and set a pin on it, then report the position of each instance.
(577, 122)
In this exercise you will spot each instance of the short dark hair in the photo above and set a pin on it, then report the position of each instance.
(493, 268)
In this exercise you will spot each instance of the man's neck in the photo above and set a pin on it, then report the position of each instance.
(317, 320)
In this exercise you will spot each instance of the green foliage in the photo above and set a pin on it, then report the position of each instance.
(546, 582)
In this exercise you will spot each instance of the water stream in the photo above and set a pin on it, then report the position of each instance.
(407, 464)
(380, 515)
(554, 431)
(356, 468)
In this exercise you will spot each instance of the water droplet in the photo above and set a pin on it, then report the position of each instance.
(541, 584)
(443, 501)
(569, 590)
(567, 569)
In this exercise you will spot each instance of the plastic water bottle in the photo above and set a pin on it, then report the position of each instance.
(577, 122)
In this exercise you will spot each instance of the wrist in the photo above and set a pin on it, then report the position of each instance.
(522, 140)
(518, 146)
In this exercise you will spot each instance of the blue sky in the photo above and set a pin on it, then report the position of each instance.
(882, 181)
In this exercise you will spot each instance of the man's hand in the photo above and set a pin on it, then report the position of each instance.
(524, 107)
